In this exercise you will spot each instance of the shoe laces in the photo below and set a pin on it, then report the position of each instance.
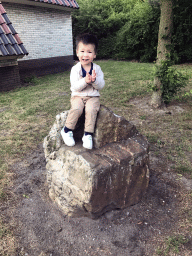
(89, 137)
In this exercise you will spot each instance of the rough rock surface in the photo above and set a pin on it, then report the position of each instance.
(113, 175)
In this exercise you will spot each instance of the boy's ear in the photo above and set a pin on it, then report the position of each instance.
(77, 51)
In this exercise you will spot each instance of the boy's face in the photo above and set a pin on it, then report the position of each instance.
(85, 53)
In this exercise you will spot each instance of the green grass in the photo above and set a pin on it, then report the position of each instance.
(28, 113)
(172, 244)
(124, 80)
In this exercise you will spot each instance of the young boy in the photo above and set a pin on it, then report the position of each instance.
(86, 80)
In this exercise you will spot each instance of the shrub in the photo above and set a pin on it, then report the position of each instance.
(138, 37)
(104, 19)
(181, 36)
(128, 29)
(172, 81)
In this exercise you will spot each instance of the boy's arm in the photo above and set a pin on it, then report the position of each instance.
(99, 82)
(77, 83)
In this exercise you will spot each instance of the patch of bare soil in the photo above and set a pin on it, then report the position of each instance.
(41, 228)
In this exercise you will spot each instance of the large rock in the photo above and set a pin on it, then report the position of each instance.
(113, 175)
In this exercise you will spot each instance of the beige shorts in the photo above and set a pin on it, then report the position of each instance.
(91, 105)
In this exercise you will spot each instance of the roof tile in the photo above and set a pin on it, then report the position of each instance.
(2, 10)
(5, 28)
(3, 50)
(68, 3)
(1, 20)
(10, 49)
(12, 29)
(10, 43)
(6, 18)
(18, 39)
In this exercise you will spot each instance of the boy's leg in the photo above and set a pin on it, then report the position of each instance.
(75, 112)
(91, 109)
(77, 106)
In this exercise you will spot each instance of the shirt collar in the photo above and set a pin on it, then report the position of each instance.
(84, 72)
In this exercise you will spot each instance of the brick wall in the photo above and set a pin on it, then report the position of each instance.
(9, 78)
(45, 32)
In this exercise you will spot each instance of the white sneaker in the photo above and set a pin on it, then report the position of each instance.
(68, 138)
(87, 141)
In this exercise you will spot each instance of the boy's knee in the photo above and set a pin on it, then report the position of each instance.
(79, 111)
(91, 110)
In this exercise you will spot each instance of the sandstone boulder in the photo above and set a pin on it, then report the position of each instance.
(113, 175)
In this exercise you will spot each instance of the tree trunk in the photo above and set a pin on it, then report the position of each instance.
(164, 46)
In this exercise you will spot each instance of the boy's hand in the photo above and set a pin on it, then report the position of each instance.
(88, 78)
(93, 76)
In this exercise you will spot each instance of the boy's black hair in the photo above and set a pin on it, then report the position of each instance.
(87, 39)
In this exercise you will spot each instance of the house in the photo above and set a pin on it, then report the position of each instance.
(45, 28)
(11, 49)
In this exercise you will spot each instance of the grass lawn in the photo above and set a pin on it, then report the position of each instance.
(28, 113)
